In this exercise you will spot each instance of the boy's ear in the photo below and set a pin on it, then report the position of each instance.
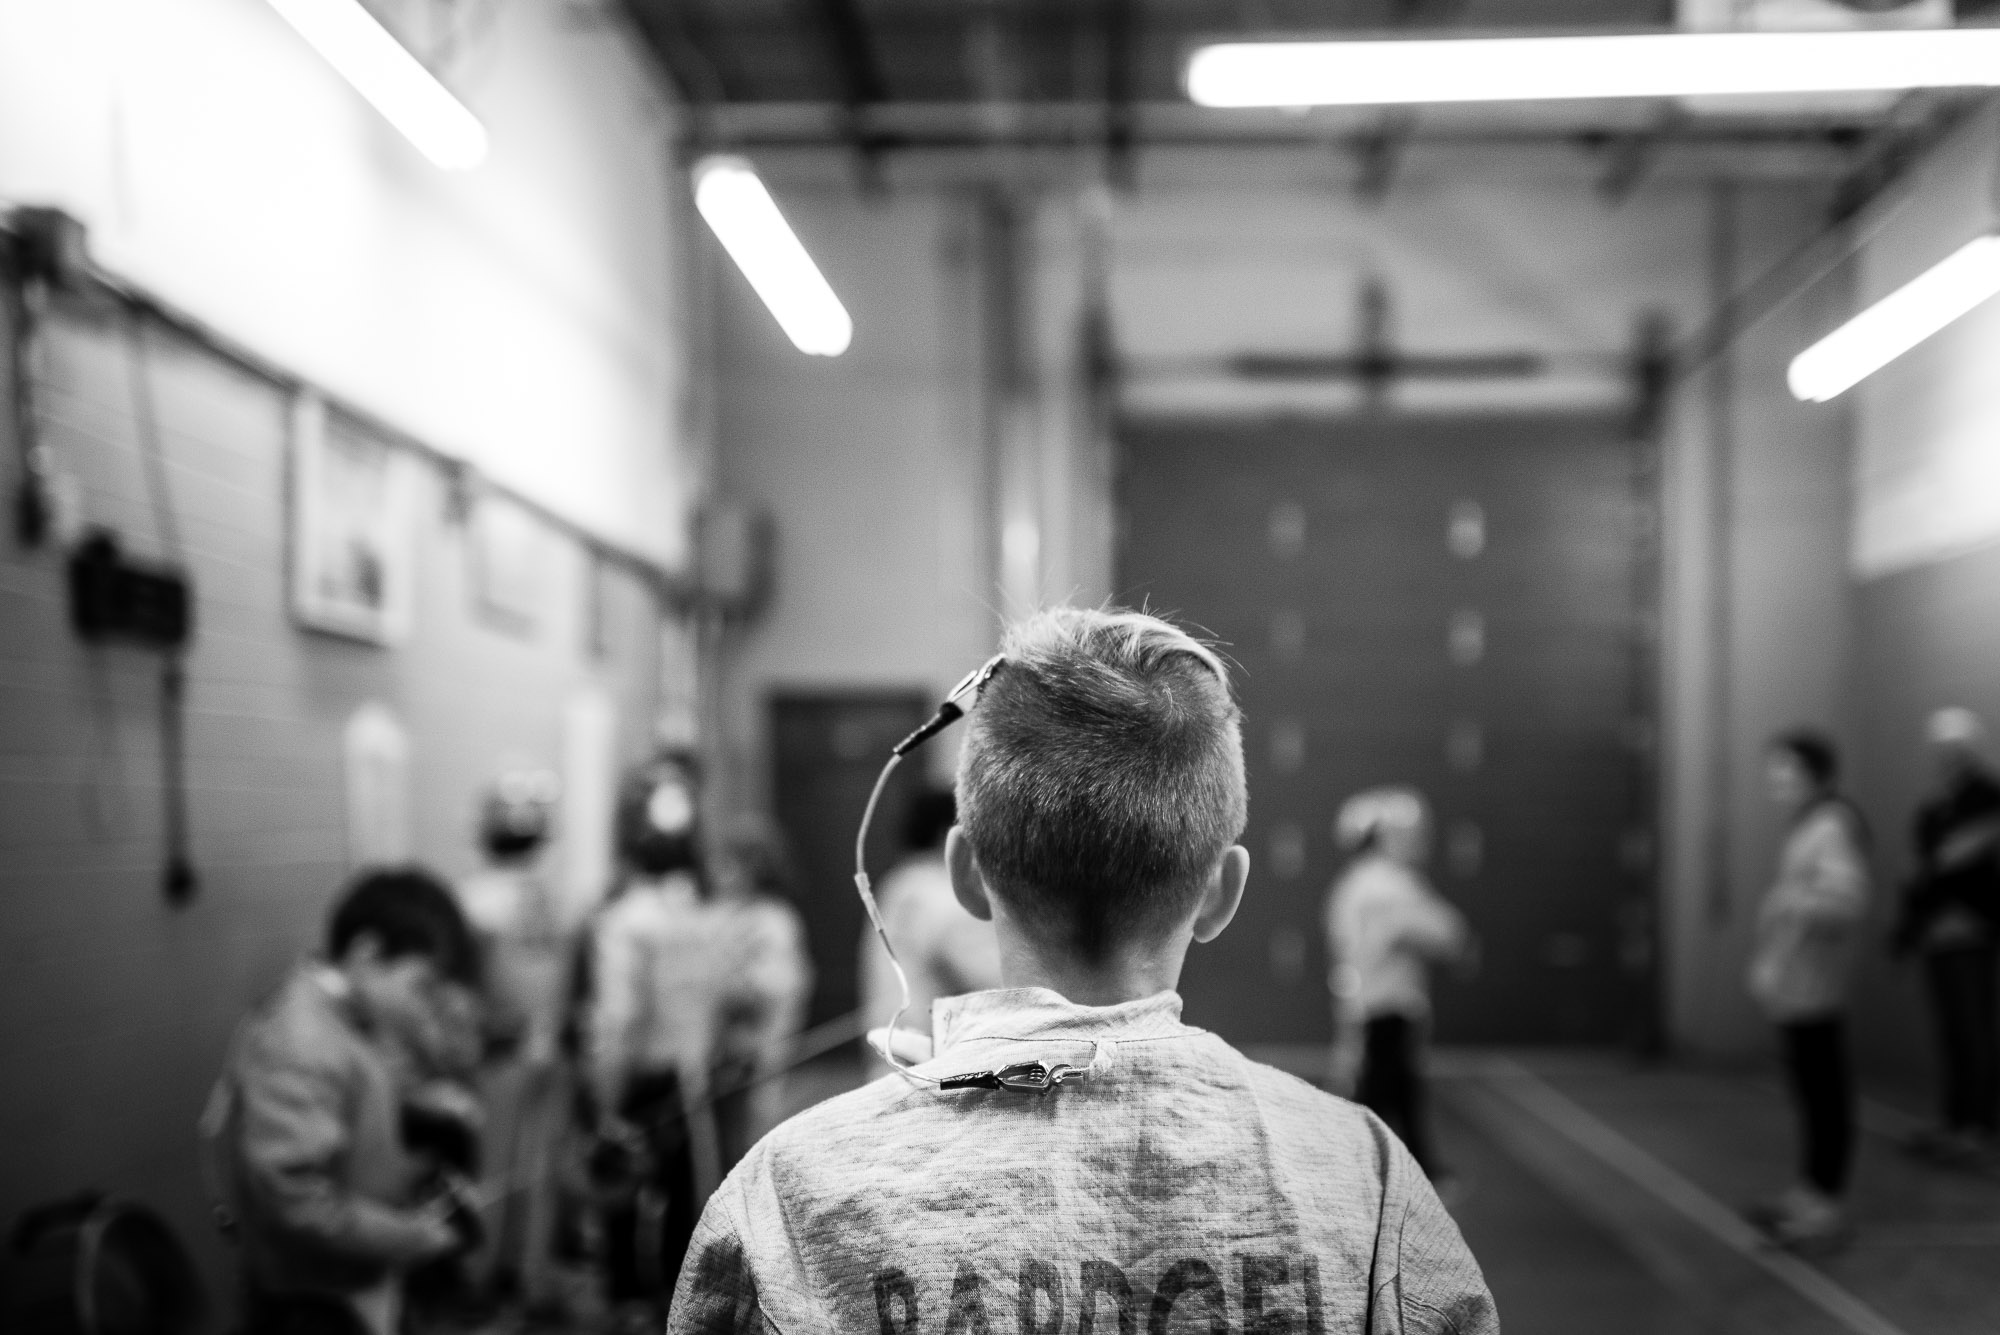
(1224, 893)
(966, 881)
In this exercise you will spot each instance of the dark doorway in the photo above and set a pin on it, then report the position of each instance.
(1453, 603)
(826, 750)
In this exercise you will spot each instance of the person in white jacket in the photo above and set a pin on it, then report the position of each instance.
(1808, 929)
(1385, 928)
(655, 975)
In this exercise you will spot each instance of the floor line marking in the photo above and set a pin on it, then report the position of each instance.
(1570, 1119)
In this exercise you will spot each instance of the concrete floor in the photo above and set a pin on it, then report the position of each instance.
(1600, 1195)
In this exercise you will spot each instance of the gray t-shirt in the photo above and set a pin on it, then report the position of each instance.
(1179, 1187)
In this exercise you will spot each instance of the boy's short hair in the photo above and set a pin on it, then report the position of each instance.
(409, 912)
(1102, 774)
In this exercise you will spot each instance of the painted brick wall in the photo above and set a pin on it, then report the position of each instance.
(114, 1007)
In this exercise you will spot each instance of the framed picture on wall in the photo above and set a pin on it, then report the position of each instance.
(353, 531)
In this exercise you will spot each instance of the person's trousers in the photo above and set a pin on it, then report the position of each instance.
(1963, 1001)
(646, 1235)
(1392, 1083)
(1822, 1083)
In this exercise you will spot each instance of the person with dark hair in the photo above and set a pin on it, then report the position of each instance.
(650, 1031)
(945, 951)
(304, 1127)
(1801, 964)
(1064, 1153)
(1950, 914)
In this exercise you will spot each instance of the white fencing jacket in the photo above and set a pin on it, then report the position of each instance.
(1385, 925)
(1179, 1187)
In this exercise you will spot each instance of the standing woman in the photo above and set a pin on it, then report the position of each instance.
(655, 982)
(1808, 929)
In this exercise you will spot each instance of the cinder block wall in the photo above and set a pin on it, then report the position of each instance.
(114, 1006)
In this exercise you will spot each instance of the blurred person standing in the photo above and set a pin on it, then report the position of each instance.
(303, 1134)
(766, 979)
(1951, 916)
(1386, 926)
(945, 951)
(1801, 966)
(524, 961)
(650, 1033)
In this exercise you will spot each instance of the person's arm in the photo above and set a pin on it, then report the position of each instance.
(1834, 891)
(1969, 843)
(717, 1292)
(293, 1139)
(1431, 927)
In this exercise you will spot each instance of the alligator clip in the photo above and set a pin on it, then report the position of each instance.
(1021, 1077)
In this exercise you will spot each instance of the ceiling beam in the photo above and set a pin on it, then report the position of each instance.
(679, 41)
(1793, 149)
(858, 73)
(1119, 35)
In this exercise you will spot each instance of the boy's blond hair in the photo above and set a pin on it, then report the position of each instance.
(1102, 776)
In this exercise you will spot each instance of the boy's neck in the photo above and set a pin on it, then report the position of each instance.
(1129, 974)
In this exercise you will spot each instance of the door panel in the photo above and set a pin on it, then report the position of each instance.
(826, 750)
(1450, 603)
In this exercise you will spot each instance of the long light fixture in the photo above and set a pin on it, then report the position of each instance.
(1952, 287)
(746, 220)
(395, 82)
(1518, 69)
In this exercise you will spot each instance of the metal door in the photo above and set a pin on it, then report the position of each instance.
(826, 750)
(1454, 603)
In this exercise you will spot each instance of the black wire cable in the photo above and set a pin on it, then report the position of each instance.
(179, 880)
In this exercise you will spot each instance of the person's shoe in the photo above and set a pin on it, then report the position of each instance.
(1809, 1222)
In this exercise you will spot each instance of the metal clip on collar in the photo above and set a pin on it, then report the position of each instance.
(1021, 1077)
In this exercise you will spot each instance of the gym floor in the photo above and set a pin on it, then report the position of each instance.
(1603, 1195)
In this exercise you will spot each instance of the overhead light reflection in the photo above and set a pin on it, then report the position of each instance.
(1953, 287)
(393, 81)
(746, 220)
(1516, 69)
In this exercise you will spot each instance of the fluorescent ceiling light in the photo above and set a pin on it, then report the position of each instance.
(1528, 69)
(1906, 317)
(395, 82)
(746, 220)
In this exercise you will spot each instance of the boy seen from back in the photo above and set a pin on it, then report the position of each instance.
(1176, 1185)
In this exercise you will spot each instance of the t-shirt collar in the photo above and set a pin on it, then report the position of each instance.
(1040, 1012)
